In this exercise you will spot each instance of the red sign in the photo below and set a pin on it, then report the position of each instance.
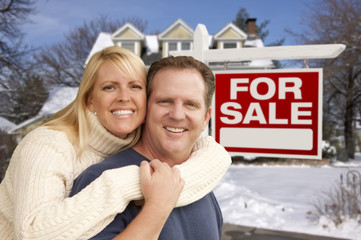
(269, 112)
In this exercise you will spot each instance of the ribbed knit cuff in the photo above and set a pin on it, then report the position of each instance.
(203, 170)
(126, 183)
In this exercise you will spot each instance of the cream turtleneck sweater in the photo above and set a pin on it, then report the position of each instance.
(34, 202)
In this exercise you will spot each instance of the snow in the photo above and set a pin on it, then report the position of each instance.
(253, 43)
(257, 63)
(6, 125)
(280, 197)
(151, 41)
(104, 40)
(59, 98)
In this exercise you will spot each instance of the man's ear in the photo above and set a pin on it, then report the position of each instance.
(207, 117)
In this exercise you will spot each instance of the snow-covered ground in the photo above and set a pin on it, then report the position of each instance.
(280, 197)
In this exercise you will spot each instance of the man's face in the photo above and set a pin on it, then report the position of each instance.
(176, 113)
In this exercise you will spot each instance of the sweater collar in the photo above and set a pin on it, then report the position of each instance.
(102, 141)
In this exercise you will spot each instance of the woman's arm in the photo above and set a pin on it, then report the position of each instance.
(203, 170)
(40, 178)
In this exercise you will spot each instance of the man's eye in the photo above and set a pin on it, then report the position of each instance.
(137, 87)
(193, 105)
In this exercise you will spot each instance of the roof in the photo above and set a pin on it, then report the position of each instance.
(230, 27)
(58, 98)
(104, 40)
(179, 22)
(136, 34)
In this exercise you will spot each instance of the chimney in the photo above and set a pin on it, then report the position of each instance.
(251, 28)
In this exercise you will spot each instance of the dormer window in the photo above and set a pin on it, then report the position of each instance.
(230, 36)
(177, 37)
(229, 45)
(186, 46)
(178, 46)
(129, 37)
(172, 46)
(128, 45)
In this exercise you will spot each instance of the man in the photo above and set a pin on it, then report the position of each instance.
(180, 91)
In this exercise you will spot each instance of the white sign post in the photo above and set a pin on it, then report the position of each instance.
(245, 119)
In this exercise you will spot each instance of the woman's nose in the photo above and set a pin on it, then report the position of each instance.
(123, 95)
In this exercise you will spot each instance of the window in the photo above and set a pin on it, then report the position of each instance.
(129, 46)
(186, 46)
(178, 46)
(172, 46)
(229, 45)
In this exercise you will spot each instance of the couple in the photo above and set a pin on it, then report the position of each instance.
(104, 119)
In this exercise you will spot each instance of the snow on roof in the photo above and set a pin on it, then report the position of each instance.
(254, 43)
(104, 40)
(6, 125)
(258, 63)
(261, 63)
(59, 98)
(151, 41)
(210, 40)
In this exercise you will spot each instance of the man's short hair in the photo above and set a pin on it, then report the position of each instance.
(184, 62)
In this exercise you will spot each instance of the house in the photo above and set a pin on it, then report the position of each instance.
(179, 36)
(58, 98)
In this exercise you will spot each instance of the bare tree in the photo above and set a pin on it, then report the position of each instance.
(63, 63)
(15, 67)
(338, 21)
(12, 15)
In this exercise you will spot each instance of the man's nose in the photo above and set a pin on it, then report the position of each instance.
(177, 112)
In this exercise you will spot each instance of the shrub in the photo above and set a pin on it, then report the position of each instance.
(342, 202)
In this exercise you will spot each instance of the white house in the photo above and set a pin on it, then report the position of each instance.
(179, 36)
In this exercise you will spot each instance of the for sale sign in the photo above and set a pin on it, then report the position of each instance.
(275, 113)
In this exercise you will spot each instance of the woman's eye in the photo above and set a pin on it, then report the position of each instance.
(108, 87)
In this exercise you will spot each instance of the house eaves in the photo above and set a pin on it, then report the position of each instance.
(179, 22)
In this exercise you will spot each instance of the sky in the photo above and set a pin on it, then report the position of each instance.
(281, 197)
(53, 19)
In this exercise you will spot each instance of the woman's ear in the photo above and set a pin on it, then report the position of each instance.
(90, 104)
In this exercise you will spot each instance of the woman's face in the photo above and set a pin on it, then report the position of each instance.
(119, 102)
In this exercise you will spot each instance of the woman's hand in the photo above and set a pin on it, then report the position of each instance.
(161, 185)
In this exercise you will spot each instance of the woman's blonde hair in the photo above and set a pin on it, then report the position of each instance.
(72, 119)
